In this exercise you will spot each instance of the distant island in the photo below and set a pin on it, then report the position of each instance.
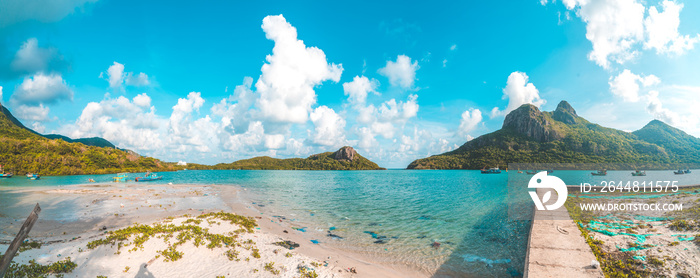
(23, 150)
(346, 158)
(529, 135)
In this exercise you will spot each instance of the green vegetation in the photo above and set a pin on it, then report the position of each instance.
(34, 269)
(140, 234)
(614, 264)
(29, 245)
(232, 255)
(531, 136)
(92, 141)
(23, 151)
(682, 225)
(271, 268)
(256, 253)
(322, 161)
(307, 273)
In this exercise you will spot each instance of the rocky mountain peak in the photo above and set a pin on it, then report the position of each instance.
(565, 113)
(345, 154)
(530, 121)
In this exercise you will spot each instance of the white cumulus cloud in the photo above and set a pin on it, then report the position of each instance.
(137, 80)
(613, 27)
(38, 113)
(32, 59)
(329, 127)
(518, 91)
(120, 121)
(187, 132)
(662, 30)
(470, 119)
(617, 28)
(42, 88)
(358, 89)
(142, 100)
(626, 84)
(117, 77)
(401, 73)
(286, 85)
(656, 109)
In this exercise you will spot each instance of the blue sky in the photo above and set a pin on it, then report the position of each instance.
(219, 81)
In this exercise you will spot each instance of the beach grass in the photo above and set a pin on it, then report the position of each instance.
(139, 234)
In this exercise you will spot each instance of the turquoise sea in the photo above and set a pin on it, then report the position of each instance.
(392, 216)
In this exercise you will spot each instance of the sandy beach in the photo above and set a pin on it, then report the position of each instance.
(74, 216)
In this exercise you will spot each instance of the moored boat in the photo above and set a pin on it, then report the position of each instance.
(121, 177)
(149, 177)
(638, 173)
(3, 174)
(679, 172)
(491, 171)
(600, 173)
(33, 176)
(531, 172)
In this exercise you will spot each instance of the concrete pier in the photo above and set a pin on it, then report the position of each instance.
(556, 247)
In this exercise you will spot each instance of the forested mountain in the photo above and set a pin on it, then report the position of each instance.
(346, 158)
(22, 151)
(529, 135)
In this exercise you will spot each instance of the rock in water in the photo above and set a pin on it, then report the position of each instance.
(345, 154)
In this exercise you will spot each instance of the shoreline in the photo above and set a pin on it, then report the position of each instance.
(622, 242)
(115, 206)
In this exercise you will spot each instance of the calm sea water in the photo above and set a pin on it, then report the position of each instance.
(392, 216)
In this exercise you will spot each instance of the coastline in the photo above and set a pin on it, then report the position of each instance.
(115, 206)
(622, 242)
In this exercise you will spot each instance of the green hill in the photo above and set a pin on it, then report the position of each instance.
(529, 135)
(23, 150)
(346, 158)
(93, 141)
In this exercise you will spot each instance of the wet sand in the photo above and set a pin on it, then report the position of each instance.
(74, 215)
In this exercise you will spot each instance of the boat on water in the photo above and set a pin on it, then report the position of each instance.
(686, 171)
(121, 177)
(679, 172)
(531, 172)
(638, 173)
(3, 174)
(600, 172)
(149, 177)
(491, 171)
(33, 176)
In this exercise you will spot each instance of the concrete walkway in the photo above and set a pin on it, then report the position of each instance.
(555, 253)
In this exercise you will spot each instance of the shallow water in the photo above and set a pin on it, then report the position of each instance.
(392, 216)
